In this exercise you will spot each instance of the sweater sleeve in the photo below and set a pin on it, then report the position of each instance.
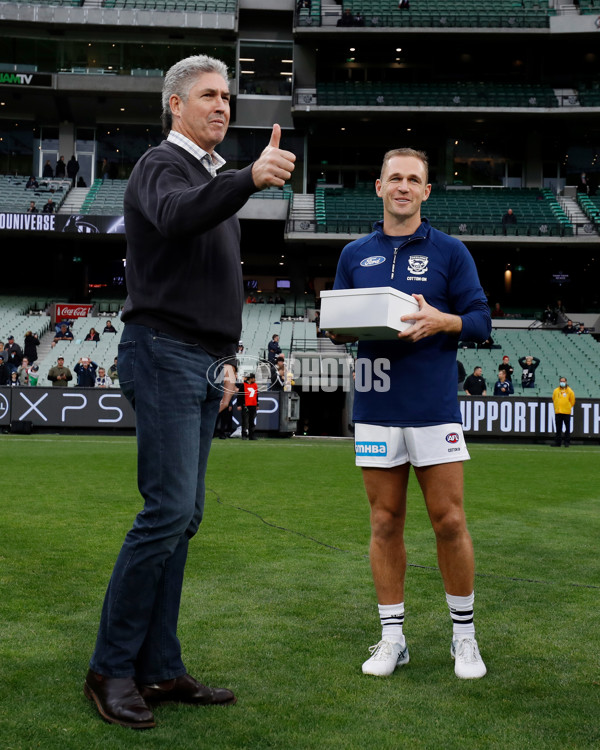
(163, 195)
(468, 299)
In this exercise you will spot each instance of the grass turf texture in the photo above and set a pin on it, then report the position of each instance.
(279, 606)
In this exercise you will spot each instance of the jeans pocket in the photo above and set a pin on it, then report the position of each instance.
(126, 364)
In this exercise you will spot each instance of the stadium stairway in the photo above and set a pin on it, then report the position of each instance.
(573, 210)
(73, 201)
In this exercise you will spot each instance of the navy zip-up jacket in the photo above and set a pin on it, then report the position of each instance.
(423, 375)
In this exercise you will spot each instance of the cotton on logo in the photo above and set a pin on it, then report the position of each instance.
(452, 437)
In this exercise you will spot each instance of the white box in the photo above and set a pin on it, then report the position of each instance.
(370, 314)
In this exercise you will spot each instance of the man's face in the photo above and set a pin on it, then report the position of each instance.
(477, 372)
(501, 375)
(60, 361)
(403, 186)
(204, 116)
(101, 372)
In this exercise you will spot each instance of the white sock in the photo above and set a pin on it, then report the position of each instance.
(392, 619)
(461, 612)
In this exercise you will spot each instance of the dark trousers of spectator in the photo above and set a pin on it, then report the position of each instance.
(563, 420)
(248, 420)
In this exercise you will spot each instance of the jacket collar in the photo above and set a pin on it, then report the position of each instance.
(421, 234)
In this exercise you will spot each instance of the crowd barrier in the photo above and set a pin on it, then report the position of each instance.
(22, 409)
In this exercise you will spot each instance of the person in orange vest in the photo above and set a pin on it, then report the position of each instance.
(250, 407)
(564, 401)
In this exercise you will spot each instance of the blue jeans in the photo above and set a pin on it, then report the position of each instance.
(176, 409)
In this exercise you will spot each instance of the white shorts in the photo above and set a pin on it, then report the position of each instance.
(384, 447)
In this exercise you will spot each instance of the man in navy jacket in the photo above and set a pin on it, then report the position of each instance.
(411, 415)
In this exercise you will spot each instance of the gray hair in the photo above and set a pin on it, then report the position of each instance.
(181, 77)
(421, 155)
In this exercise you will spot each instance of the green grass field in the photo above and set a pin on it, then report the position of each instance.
(279, 606)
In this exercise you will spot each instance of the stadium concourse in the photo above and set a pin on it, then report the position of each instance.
(504, 96)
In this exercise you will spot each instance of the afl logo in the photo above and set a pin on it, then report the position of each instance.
(452, 437)
(374, 260)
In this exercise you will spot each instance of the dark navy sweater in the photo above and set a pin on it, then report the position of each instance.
(183, 248)
(423, 375)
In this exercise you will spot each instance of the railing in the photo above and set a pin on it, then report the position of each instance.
(449, 20)
(457, 228)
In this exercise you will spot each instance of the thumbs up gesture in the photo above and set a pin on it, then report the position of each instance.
(274, 166)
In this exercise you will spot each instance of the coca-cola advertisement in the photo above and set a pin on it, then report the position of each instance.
(69, 311)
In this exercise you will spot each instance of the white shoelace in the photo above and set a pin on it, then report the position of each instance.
(466, 650)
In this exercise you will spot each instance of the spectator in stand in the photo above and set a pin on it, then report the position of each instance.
(85, 370)
(48, 207)
(497, 312)
(113, 371)
(93, 335)
(32, 209)
(563, 399)
(14, 380)
(277, 374)
(569, 328)
(274, 350)
(509, 219)
(34, 375)
(63, 335)
(582, 329)
(104, 169)
(61, 168)
(507, 367)
(560, 308)
(31, 183)
(31, 344)
(59, 374)
(549, 316)
(503, 386)
(475, 385)
(251, 299)
(72, 169)
(404, 5)
(48, 172)
(462, 374)
(347, 19)
(102, 379)
(109, 328)
(23, 372)
(14, 354)
(529, 365)
(583, 185)
(4, 372)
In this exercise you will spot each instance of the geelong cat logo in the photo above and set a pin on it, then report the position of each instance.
(417, 264)
(374, 260)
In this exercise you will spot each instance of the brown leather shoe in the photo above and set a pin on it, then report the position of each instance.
(118, 701)
(186, 689)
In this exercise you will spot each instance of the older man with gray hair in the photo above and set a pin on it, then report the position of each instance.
(182, 322)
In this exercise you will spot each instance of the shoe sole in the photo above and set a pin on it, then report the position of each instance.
(169, 702)
(91, 696)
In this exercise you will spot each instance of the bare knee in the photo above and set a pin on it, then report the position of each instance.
(386, 523)
(449, 525)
